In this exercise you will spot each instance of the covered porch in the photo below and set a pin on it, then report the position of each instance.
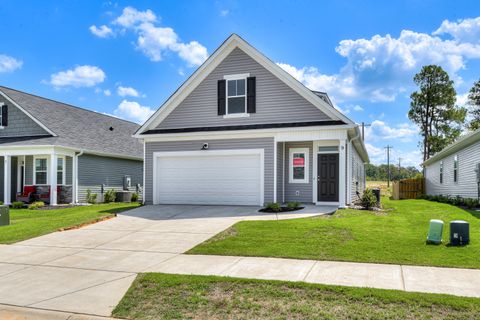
(45, 174)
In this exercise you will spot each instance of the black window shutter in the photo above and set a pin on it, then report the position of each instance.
(222, 92)
(4, 115)
(251, 94)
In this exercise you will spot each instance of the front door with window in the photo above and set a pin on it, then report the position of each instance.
(328, 179)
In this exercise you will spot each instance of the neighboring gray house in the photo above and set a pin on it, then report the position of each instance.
(242, 131)
(47, 146)
(454, 170)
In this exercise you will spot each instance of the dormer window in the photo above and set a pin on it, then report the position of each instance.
(236, 96)
(3, 115)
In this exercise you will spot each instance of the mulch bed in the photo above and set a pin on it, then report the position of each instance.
(88, 223)
(284, 209)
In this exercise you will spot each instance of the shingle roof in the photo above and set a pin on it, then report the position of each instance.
(75, 127)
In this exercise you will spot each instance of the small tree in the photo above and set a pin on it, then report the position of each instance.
(474, 102)
(433, 109)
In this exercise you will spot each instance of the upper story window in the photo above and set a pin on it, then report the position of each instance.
(441, 171)
(3, 115)
(455, 168)
(237, 96)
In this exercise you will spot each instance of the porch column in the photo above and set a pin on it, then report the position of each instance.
(74, 178)
(342, 174)
(53, 179)
(7, 181)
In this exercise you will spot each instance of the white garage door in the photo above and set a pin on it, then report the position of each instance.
(232, 177)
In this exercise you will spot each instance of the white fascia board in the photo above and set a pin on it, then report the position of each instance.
(214, 60)
(28, 114)
(254, 133)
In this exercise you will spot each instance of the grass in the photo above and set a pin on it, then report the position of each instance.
(395, 236)
(161, 296)
(26, 224)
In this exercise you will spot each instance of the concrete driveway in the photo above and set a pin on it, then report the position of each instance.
(88, 270)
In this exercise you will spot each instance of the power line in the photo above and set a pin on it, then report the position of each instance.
(388, 148)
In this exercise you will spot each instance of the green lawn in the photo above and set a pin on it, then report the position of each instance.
(26, 224)
(395, 236)
(161, 296)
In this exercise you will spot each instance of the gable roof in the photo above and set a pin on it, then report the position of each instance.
(458, 145)
(73, 127)
(235, 41)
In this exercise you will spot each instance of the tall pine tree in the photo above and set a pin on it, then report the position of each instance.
(474, 102)
(433, 109)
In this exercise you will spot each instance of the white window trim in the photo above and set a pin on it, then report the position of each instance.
(35, 171)
(242, 76)
(305, 151)
(64, 168)
(455, 160)
(440, 175)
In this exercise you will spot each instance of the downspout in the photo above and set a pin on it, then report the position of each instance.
(76, 175)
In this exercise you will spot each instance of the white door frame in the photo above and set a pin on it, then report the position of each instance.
(341, 170)
(206, 153)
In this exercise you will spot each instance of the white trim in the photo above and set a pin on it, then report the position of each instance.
(53, 179)
(275, 171)
(234, 41)
(206, 153)
(341, 185)
(47, 171)
(64, 169)
(237, 77)
(144, 170)
(7, 179)
(327, 203)
(236, 115)
(306, 152)
(341, 173)
(20, 160)
(28, 114)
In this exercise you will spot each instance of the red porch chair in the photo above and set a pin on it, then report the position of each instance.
(27, 195)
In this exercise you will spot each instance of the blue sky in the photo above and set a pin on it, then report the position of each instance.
(125, 58)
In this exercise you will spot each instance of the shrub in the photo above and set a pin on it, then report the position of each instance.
(293, 205)
(471, 203)
(135, 197)
(273, 206)
(91, 197)
(109, 196)
(368, 200)
(36, 205)
(17, 205)
(1, 203)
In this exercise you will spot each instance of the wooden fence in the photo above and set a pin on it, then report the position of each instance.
(408, 189)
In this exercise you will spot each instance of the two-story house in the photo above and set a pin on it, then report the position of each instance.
(242, 131)
(55, 152)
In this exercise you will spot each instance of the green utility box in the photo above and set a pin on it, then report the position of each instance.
(435, 231)
(4, 215)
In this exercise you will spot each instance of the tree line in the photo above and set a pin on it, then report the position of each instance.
(380, 172)
(434, 110)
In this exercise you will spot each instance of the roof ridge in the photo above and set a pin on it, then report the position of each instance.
(67, 104)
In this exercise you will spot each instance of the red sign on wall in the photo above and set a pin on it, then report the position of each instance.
(298, 162)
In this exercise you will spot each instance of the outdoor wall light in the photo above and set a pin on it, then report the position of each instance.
(205, 146)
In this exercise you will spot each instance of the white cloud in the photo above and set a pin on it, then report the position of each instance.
(80, 76)
(357, 108)
(101, 32)
(127, 91)
(381, 67)
(379, 130)
(133, 111)
(107, 92)
(9, 64)
(155, 42)
(464, 30)
(224, 13)
(131, 16)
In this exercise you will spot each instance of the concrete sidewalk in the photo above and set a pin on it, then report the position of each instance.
(459, 282)
(22, 313)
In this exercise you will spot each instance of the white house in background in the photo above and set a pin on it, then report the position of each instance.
(242, 131)
(454, 170)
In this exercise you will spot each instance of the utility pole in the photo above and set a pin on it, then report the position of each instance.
(399, 163)
(388, 147)
(363, 129)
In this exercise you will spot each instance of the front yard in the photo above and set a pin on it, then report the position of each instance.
(162, 296)
(26, 224)
(395, 236)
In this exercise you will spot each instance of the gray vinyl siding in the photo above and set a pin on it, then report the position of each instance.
(28, 170)
(305, 189)
(19, 124)
(357, 168)
(1, 178)
(275, 101)
(231, 144)
(93, 171)
(280, 173)
(467, 184)
(69, 170)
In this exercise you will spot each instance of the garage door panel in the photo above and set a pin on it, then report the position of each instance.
(209, 179)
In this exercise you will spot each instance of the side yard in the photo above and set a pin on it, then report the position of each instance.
(395, 236)
(26, 224)
(162, 296)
